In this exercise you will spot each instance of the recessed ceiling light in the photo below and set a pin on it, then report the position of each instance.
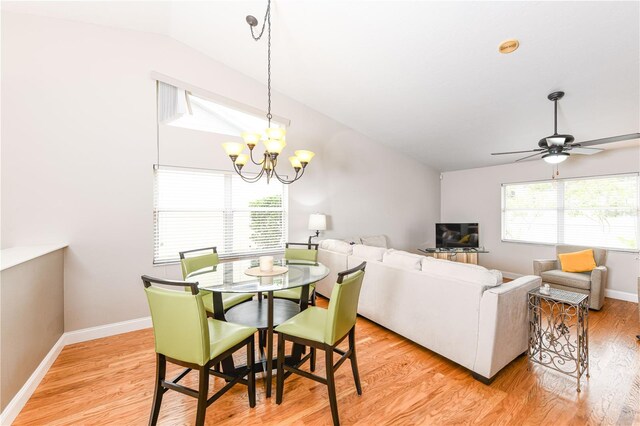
(508, 46)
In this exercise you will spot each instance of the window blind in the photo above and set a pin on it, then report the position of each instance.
(595, 211)
(196, 208)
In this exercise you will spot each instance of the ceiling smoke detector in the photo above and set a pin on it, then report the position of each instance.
(508, 46)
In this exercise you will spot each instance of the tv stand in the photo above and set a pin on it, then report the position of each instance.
(457, 254)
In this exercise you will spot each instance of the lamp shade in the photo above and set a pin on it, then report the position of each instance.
(317, 222)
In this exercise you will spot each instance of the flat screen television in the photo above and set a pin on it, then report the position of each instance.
(457, 235)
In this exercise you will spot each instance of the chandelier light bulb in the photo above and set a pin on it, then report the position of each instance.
(242, 160)
(251, 138)
(233, 149)
(295, 162)
(304, 156)
(275, 133)
(274, 146)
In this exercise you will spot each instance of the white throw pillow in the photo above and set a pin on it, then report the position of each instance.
(463, 271)
(337, 246)
(375, 241)
(403, 259)
(368, 252)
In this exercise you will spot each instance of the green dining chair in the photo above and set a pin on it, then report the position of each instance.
(185, 336)
(291, 253)
(208, 257)
(324, 329)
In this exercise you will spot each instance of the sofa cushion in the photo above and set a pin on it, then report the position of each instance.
(375, 241)
(579, 261)
(403, 259)
(353, 240)
(337, 246)
(463, 271)
(570, 279)
(368, 252)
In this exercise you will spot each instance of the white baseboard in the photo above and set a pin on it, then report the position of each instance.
(613, 294)
(106, 330)
(621, 295)
(18, 402)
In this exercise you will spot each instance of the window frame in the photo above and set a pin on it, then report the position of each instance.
(230, 210)
(560, 208)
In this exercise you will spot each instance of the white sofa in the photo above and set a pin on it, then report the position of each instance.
(463, 312)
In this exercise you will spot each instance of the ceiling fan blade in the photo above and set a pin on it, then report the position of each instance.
(529, 156)
(585, 150)
(519, 152)
(608, 140)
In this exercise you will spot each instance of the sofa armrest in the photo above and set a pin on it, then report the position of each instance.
(598, 285)
(543, 265)
(502, 325)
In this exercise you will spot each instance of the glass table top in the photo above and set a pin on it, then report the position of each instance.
(230, 277)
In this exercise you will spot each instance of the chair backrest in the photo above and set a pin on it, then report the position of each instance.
(307, 251)
(191, 261)
(343, 306)
(179, 321)
(599, 254)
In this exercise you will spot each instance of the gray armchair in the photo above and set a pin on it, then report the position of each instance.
(592, 283)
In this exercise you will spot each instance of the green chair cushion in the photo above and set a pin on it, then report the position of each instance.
(229, 300)
(224, 335)
(301, 254)
(191, 264)
(292, 293)
(308, 324)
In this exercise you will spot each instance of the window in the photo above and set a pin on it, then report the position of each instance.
(595, 211)
(201, 208)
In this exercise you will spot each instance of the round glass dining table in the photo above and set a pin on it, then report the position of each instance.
(262, 312)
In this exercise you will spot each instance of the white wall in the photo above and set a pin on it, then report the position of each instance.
(79, 142)
(475, 196)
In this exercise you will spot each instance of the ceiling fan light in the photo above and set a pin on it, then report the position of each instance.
(555, 158)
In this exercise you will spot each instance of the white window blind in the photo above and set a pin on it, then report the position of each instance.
(196, 208)
(594, 211)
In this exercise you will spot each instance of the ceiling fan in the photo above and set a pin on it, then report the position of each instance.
(556, 148)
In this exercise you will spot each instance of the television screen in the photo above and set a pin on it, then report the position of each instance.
(457, 235)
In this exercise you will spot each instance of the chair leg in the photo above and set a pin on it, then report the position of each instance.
(354, 362)
(312, 362)
(313, 298)
(203, 391)
(331, 384)
(280, 373)
(161, 369)
(252, 374)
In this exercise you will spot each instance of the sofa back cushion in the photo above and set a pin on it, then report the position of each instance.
(368, 252)
(337, 246)
(403, 259)
(463, 271)
(375, 241)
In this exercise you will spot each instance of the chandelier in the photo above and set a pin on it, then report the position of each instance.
(273, 138)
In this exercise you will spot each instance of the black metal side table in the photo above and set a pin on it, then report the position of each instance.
(559, 331)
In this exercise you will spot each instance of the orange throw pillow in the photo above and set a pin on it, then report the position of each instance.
(580, 261)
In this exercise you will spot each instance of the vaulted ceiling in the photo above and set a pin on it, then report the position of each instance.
(425, 78)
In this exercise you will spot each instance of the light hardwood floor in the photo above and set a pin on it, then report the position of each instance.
(110, 381)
